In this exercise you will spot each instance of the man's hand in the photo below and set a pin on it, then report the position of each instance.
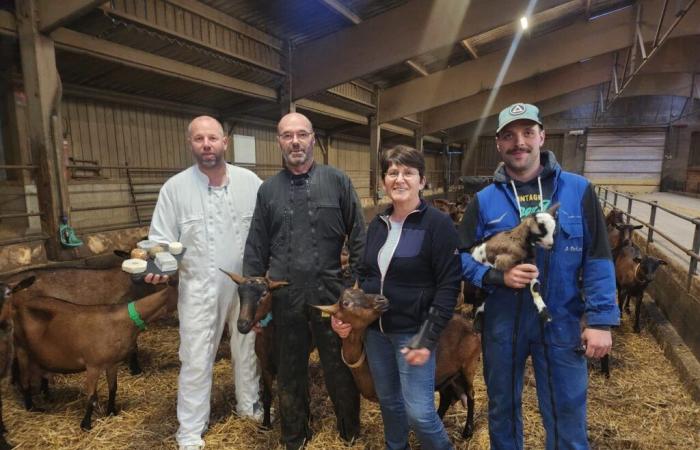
(597, 342)
(341, 328)
(520, 276)
(153, 278)
(416, 356)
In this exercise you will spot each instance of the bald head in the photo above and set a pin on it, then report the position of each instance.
(205, 121)
(294, 119)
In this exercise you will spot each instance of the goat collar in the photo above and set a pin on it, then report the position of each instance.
(356, 364)
(136, 317)
(265, 321)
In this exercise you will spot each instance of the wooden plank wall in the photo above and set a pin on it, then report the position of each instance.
(352, 157)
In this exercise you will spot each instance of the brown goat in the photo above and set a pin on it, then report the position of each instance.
(255, 294)
(452, 209)
(456, 360)
(6, 340)
(85, 286)
(53, 335)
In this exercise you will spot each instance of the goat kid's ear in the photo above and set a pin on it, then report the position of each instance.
(234, 276)
(637, 227)
(24, 284)
(329, 309)
(552, 210)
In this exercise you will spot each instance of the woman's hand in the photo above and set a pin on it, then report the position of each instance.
(341, 328)
(416, 356)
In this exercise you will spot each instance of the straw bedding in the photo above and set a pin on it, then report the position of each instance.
(642, 406)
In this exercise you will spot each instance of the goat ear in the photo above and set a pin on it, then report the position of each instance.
(275, 284)
(234, 276)
(329, 309)
(637, 227)
(552, 210)
(24, 284)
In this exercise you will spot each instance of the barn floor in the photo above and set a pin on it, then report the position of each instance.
(642, 406)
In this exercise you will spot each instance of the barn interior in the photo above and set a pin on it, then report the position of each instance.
(95, 98)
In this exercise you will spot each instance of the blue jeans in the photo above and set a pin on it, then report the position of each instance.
(406, 393)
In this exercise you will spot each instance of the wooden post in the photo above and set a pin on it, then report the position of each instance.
(287, 104)
(374, 149)
(419, 140)
(43, 89)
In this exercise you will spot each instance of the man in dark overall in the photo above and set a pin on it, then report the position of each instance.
(302, 217)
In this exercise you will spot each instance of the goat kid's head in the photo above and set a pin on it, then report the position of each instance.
(357, 308)
(542, 227)
(256, 298)
(6, 291)
(646, 268)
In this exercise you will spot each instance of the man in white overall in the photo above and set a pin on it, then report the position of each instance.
(208, 208)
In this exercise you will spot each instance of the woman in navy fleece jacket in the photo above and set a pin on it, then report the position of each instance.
(411, 258)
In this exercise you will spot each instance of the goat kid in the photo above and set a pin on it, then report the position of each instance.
(53, 335)
(507, 249)
(457, 355)
(6, 343)
(255, 294)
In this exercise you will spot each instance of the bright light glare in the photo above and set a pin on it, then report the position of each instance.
(523, 23)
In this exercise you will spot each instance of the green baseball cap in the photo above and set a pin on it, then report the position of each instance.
(518, 111)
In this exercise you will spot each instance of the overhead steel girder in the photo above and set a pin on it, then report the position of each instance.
(559, 48)
(678, 55)
(418, 27)
(677, 84)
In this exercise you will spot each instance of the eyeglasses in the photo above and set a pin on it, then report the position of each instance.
(407, 174)
(301, 135)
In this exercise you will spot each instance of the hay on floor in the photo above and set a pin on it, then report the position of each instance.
(642, 406)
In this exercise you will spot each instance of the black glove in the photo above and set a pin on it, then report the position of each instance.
(429, 333)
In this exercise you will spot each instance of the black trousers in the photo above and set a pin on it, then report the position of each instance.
(293, 318)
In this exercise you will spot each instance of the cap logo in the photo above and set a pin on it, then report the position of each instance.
(517, 110)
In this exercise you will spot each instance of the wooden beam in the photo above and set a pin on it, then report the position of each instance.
(339, 8)
(193, 39)
(53, 14)
(81, 43)
(8, 25)
(418, 27)
(418, 68)
(678, 55)
(469, 48)
(42, 86)
(213, 14)
(565, 46)
(677, 84)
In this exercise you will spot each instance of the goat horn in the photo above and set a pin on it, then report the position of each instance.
(357, 284)
(276, 284)
(329, 309)
(234, 276)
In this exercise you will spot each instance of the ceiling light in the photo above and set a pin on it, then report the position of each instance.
(523, 23)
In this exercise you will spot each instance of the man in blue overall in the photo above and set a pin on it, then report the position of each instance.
(577, 282)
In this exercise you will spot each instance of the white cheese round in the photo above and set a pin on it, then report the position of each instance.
(134, 265)
(175, 248)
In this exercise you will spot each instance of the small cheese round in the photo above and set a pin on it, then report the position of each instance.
(134, 265)
(139, 253)
(155, 249)
(175, 248)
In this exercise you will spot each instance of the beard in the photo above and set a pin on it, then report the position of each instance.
(209, 163)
